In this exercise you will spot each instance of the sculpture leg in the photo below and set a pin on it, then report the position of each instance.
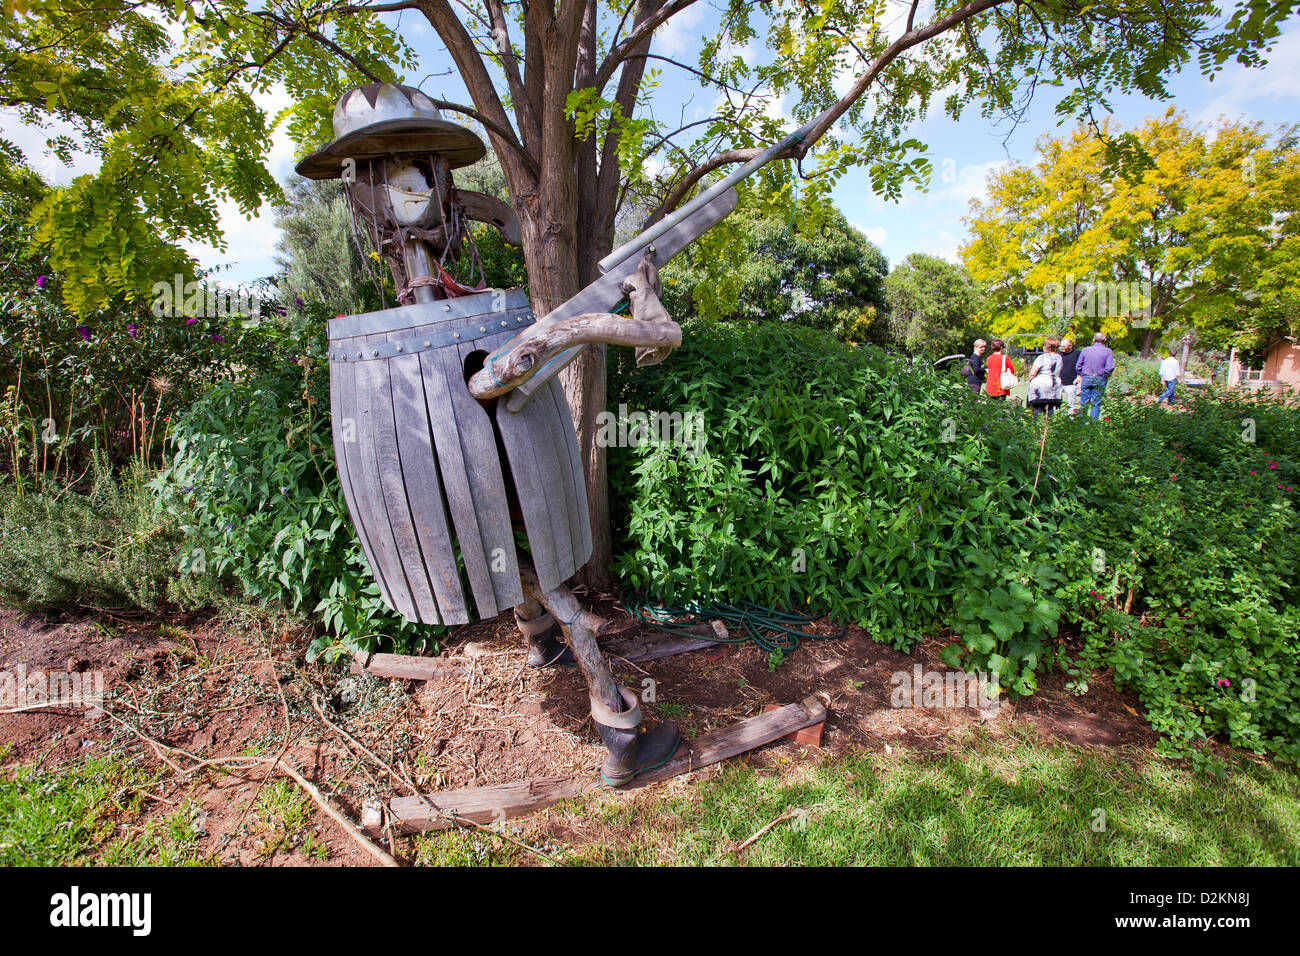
(615, 710)
(542, 631)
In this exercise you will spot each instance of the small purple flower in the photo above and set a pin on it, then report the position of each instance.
(191, 320)
(132, 331)
(298, 302)
(40, 282)
(85, 332)
(216, 337)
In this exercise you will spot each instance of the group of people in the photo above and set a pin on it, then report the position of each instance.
(1061, 374)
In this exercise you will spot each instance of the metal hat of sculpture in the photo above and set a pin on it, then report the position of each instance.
(385, 119)
(450, 427)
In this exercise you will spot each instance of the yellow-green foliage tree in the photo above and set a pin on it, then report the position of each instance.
(1134, 233)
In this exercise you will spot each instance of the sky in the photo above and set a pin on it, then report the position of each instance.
(962, 153)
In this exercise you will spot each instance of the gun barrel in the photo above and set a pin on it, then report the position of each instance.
(634, 246)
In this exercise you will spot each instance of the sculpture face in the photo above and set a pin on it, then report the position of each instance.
(412, 199)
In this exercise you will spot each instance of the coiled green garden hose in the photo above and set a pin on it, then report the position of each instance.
(769, 629)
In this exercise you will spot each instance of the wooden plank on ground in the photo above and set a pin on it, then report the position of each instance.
(653, 646)
(480, 804)
(408, 667)
(736, 739)
(501, 802)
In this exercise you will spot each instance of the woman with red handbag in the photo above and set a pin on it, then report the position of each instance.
(998, 363)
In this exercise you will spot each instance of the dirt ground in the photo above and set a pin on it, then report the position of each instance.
(213, 688)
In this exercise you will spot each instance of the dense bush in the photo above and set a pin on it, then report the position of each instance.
(1197, 528)
(1164, 536)
(835, 478)
(114, 547)
(253, 474)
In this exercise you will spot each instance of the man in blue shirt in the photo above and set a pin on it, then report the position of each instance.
(1096, 363)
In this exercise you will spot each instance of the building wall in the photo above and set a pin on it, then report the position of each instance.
(1282, 364)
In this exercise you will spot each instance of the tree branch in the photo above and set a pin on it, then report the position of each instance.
(481, 90)
(510, 67)
(504, 132)
(828, 119)
(634, 38)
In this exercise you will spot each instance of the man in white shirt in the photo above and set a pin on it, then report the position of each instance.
(1169, 372)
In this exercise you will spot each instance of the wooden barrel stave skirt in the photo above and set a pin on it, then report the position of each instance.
(420, 460)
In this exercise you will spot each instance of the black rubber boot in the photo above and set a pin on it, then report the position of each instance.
(631, 750)
(545, 649)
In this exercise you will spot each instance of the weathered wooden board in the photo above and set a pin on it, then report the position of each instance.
(407, 667)
(424, 486)
(480, 804)
(372, 509)
(579, 513)
(529, 442)
(489, 804)
(496, 530)
(343, 414)
(736, 739)
(393, 486)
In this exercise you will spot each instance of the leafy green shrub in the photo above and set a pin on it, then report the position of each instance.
(115, 547)
(1135, 376)
(253, 474)
(1198, 532)
(1170, 538)
(834, 478)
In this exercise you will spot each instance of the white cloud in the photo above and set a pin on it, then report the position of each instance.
(1239, 86)
(941, 243)
(876, 234)
(679, 33)
(31, 141)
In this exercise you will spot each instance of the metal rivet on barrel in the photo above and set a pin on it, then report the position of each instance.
(426, 343)
(358, 355)
(503, 323)
(399, 348)
(482, 328)
(374, 353)
(456, 335)
(446, 308)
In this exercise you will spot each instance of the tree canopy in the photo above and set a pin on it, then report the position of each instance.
(1202, 227)
(830, 277)
(934, 305)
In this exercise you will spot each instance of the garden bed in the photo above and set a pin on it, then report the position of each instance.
(204, 685)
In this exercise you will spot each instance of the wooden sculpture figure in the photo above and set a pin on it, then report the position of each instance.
(450, 429)
(435, 469)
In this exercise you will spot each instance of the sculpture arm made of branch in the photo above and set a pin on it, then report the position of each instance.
(494, 212)
(650, 330)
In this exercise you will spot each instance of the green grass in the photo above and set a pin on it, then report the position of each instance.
(88, 813)
(1005, 802)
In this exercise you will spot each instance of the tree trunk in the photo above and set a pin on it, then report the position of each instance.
(550, 245)
(1148, 341)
